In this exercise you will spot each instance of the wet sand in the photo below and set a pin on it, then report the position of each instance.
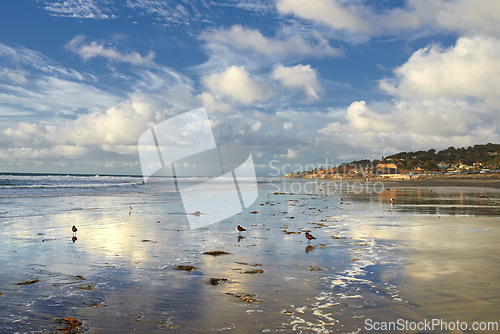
(432, 254)
(488, 181)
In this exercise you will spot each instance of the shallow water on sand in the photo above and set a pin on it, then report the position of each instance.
(432, 254)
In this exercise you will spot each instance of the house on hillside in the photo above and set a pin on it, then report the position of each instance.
(387, 169)
(418, 170)
(443, 165)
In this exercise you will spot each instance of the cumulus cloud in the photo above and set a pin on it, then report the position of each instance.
(119, 125)
(93, 49)
(463, 16)
(409, 125)
(237, 83)
(214, 105)
(471, 68)
(116, 130)
(329, 12)
(299, 77)
(252, 40)
(361, 118)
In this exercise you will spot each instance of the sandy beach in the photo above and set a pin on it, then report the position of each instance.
(433, 254)
(471, 180)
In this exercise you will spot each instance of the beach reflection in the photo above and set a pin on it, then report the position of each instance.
(444, 201)
(372, 258)
(447, 265)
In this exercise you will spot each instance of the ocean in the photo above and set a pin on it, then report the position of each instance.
(432, 253)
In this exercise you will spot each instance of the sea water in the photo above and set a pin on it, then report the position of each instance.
(433, 253)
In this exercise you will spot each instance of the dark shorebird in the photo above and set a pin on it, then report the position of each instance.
(241, 229)
(74, 229)
(309, 236)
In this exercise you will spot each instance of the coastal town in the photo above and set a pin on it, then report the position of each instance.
(477, 160)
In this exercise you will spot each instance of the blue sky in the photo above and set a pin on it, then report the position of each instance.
(296, 81)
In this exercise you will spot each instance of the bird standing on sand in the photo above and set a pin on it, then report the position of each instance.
(74, 229)
(241, 229)
(309, 236)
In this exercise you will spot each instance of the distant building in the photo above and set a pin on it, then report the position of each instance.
(418, 170)
(387, 169)
(387, 166)
(443, 165)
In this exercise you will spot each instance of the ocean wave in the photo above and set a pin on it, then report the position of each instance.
(53, 186)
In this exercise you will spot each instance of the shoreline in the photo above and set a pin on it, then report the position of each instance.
(469, 180)
(447, 182)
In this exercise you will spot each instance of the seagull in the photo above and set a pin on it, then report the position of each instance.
(74, 229)
(309, 236)
(241, 229)
(393, 200)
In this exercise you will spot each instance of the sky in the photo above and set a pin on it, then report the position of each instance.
(295, 81)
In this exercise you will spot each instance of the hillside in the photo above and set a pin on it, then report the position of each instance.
(473, 159)
(483, 156)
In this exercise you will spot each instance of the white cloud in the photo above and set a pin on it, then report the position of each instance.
(31, 83)
(287, 126)
(362, 119)
(119, 125)
(70, 150)
(214, 105)
(410, 125)
(116, 130)
(50, 95)
(94, 49)
(329, 12)
(173, 12)
(24, 60)
(81, 9)
(469, 16)
(463, 16)
(253, 40)
(471, 68)
(14, 76)
(299, 77)
(238, 84)
(70, 115)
